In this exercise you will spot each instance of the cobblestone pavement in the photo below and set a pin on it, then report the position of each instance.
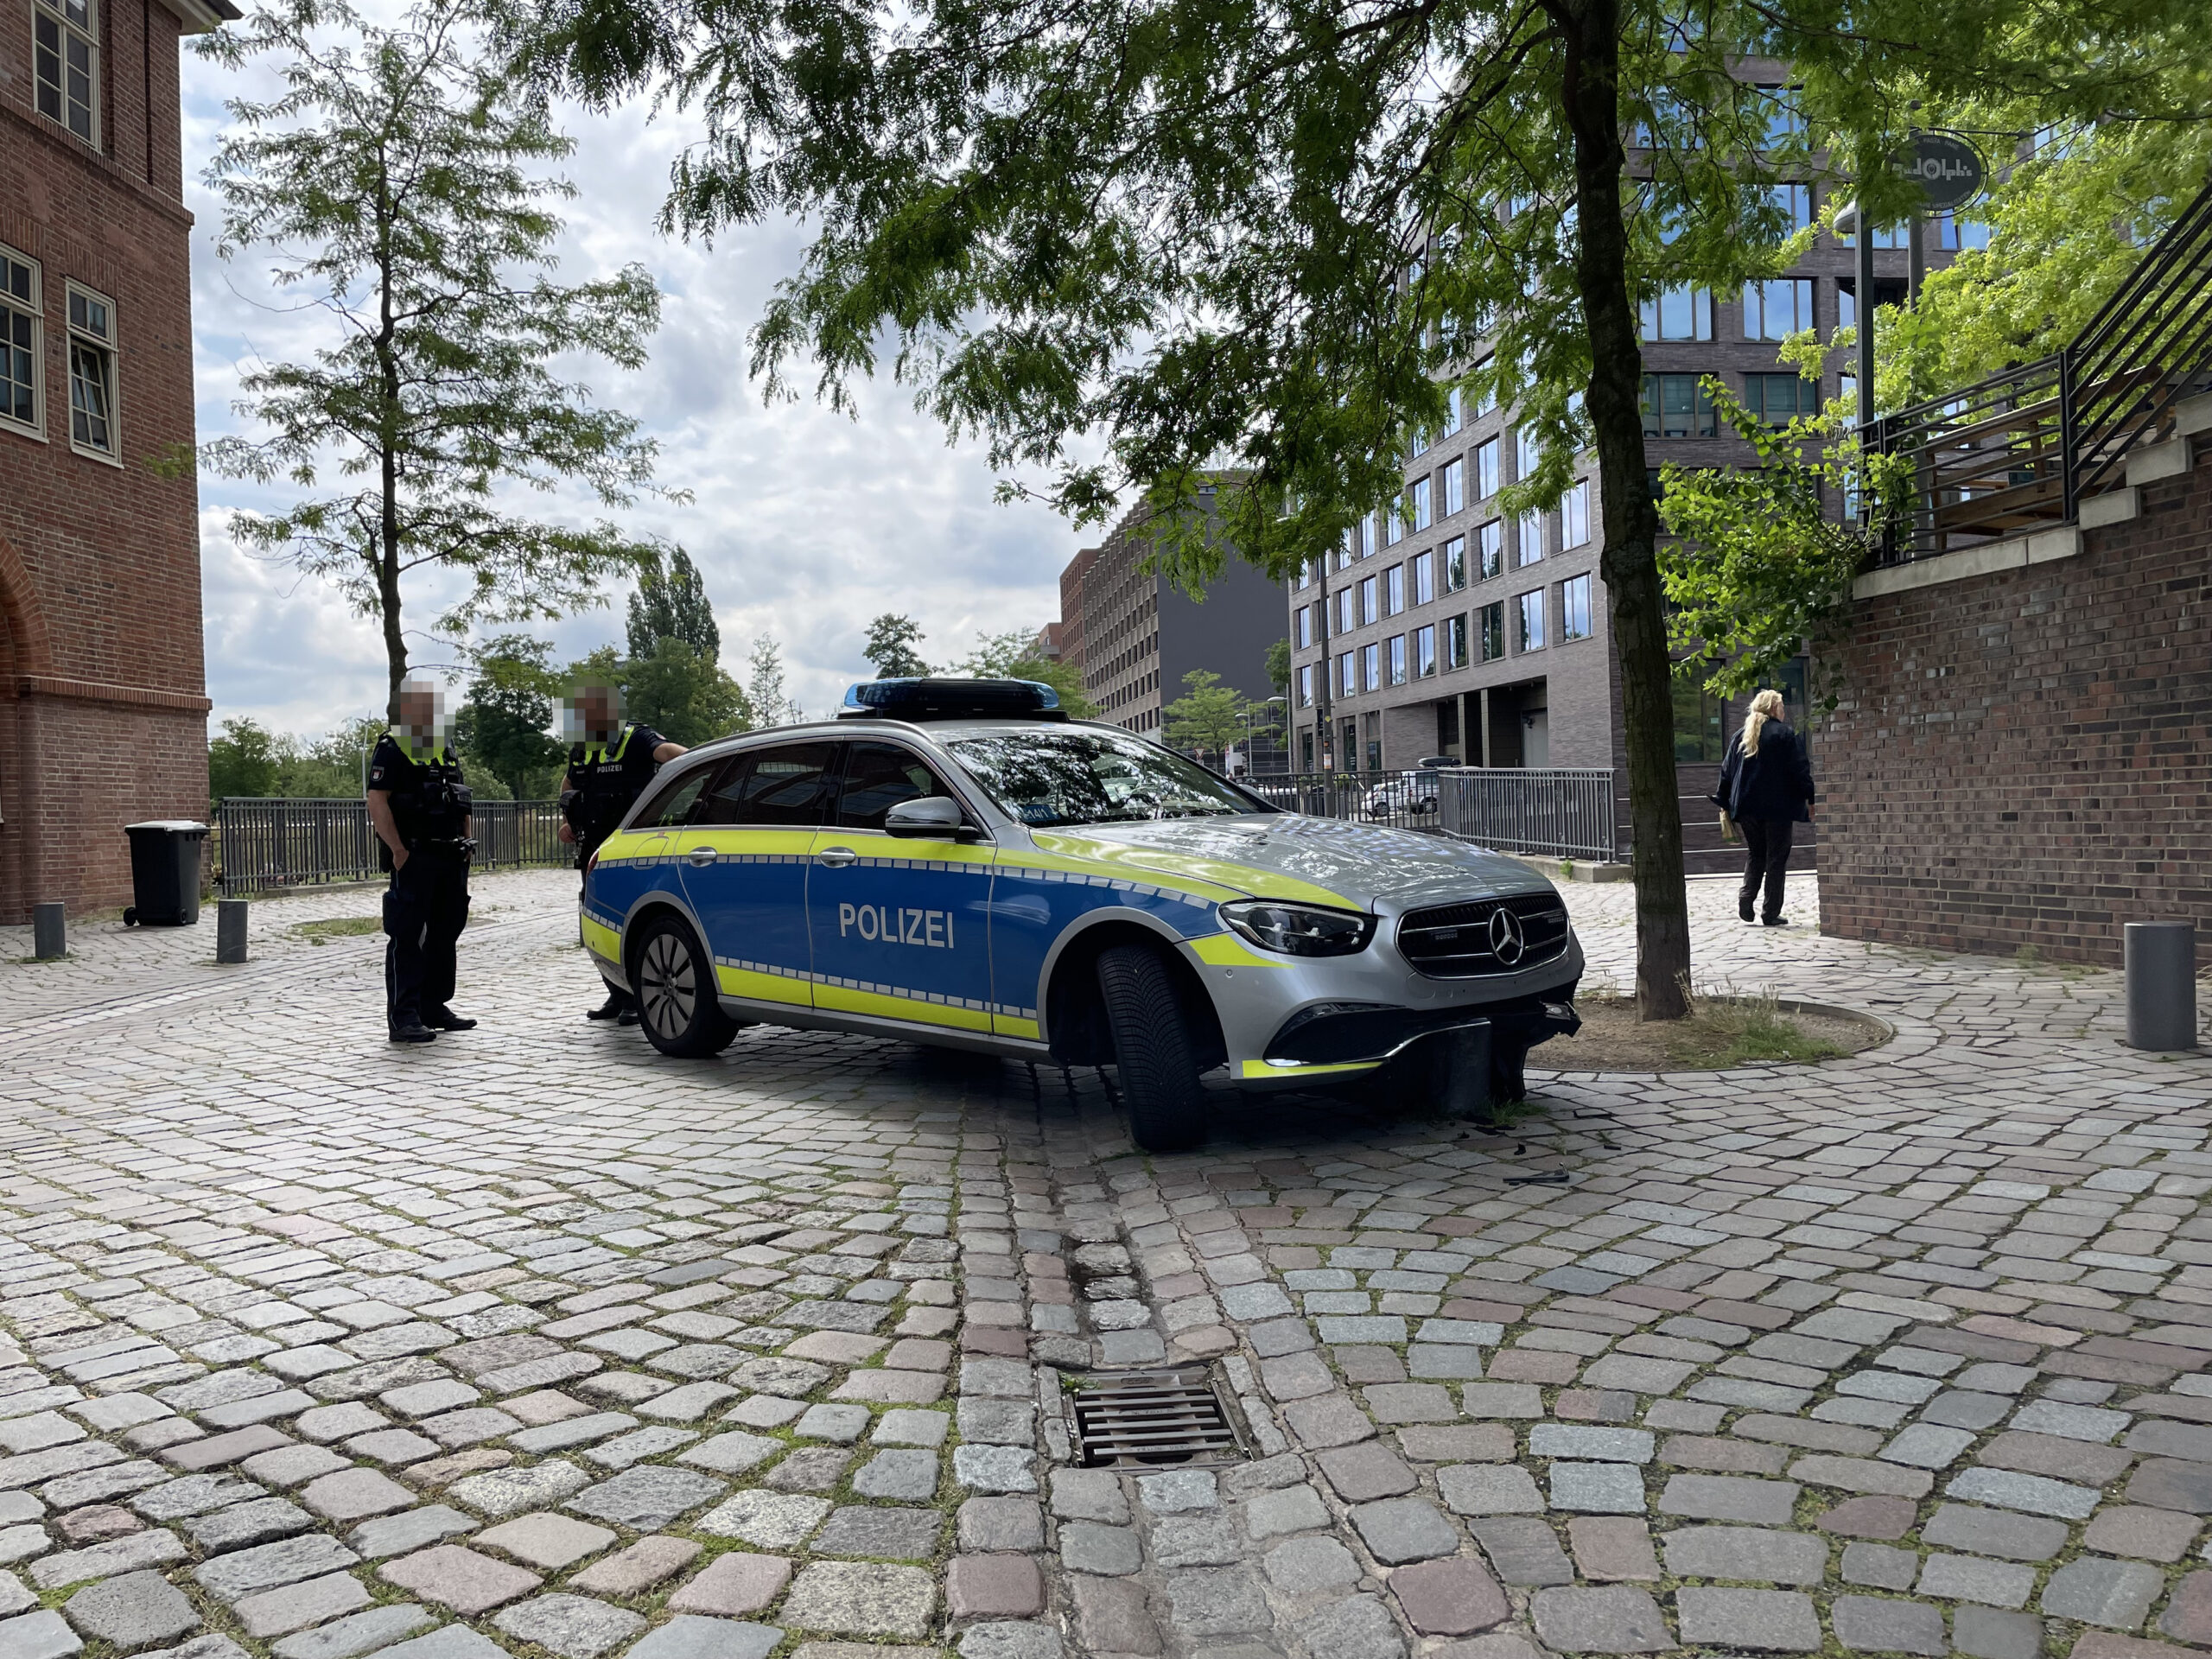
(533, 1341)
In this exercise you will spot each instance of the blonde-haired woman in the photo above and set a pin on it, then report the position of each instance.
(1766, 786)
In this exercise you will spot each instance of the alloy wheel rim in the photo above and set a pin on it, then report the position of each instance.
(671, 993)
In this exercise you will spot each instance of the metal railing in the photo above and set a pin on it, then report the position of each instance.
(262, 843)
(1549, 811)
(2021, 450)
(1403, 800)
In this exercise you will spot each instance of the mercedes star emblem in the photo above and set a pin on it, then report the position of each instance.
(1507, 942)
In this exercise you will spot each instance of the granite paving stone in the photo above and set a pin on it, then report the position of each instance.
(1776, 1621)
(575, 1627)
(862, 1599)
(309, 1602)
(694, 1636)
(132, 1611)
(733, 1584)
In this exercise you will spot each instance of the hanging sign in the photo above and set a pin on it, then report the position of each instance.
(1948, 169)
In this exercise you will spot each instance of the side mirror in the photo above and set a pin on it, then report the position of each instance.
(936, 818)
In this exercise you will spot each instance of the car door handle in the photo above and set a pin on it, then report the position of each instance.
(700, 857)
(837, 857)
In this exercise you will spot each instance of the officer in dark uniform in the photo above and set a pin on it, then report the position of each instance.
(609, 768)
(422, 811)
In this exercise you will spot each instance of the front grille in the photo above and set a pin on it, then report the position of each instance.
(1463, 941)
(1152, 1417)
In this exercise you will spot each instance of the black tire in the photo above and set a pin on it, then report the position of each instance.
(677, 1007)
(131, 917)
(1153, 1049)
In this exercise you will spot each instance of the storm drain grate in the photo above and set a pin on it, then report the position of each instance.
(1152, 1417)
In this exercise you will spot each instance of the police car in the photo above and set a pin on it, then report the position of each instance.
(957, 862)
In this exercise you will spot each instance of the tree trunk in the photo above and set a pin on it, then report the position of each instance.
(395, 642)
(1590, 95)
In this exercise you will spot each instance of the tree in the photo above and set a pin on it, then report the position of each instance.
(673, 604)
(764, 685)
(1206, 719)
(1012, 656)
(391, 183)
(1279, 667)
(685, 696)
(243, 761)
(506, 726)
(1276, 234)
(891, 642)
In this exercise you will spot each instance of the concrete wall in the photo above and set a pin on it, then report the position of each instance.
(2024, 756)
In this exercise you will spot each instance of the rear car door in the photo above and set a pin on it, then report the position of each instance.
(900, 925)
(634, 862)
(744, 858)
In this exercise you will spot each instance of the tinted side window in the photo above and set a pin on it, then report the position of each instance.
(784, 787)
(672, 806)
(878, 776)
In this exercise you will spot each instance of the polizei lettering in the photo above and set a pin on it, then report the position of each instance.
(889, 924)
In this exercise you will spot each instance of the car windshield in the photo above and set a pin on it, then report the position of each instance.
(1047, 778)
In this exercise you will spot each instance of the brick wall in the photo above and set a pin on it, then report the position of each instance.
(102, 703)
(2025, 758)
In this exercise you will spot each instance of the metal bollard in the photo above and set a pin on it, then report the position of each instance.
(2161, 963)
(49, 931)
(230, 930)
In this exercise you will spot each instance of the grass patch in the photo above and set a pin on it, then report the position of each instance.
(1719, 1033)
(337, 927)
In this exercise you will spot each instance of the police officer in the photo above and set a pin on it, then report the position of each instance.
(608, 769)
(421, 809)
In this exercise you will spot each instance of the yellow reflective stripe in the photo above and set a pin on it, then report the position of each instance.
(912, 1009)
(1227, 950)
(602, 940)
(1213, 878)
(634, 843)
(743, 838)
(1268, 1069)
(763, 988)
(898, 850)
(1009, 1025)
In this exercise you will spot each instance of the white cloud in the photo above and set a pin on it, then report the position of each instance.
(804, 523)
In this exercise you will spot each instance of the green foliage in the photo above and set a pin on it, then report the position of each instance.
(1208, 718)
(683, 695)
(673, 604)
(1279, 666)
(392, 184)
(242, 761)
(1761, 566)
(891, 642)
(505, 725)
(1011, 656)
(764, 685)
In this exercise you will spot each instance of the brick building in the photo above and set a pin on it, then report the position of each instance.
(1133, 636)
(103, 708)
(2024, 756)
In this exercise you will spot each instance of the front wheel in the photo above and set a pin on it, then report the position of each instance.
(1152, 1049)
(677, 1005)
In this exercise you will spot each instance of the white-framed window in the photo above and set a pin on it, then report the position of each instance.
(1455, 412)
(1575, 608)
(1532, 537)
(1455, 564)
(1490, 543)
(1367, 545)
(65, 64)
(1778, 308)
(92, 375)
(1455, 486)
(1346, 618)
(1425, 653)
(1305, 685)
(1532, 621)
(1677, 313)
(20, 314)
(1370, 600)
(1424, 505)
(1304, 627)
(1347, 674)
(1486, 469)
(1416, 445)
(1393, 525)
(1424, 570)
(1394, 590)
(1370, 667)
(1574, 516)
(1397, 659)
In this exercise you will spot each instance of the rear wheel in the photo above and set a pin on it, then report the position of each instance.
(1153, 1049)
(677, 1007)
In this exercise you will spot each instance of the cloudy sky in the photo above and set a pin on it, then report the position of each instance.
(804, 523)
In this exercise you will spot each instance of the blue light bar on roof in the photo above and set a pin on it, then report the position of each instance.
(946, 699)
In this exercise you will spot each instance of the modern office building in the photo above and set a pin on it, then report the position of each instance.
(1134, 636)
(103, 708)
(1453, 629)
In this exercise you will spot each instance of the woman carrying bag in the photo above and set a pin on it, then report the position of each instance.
(1766, 790)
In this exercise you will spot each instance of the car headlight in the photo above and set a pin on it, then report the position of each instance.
(1298, 930)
